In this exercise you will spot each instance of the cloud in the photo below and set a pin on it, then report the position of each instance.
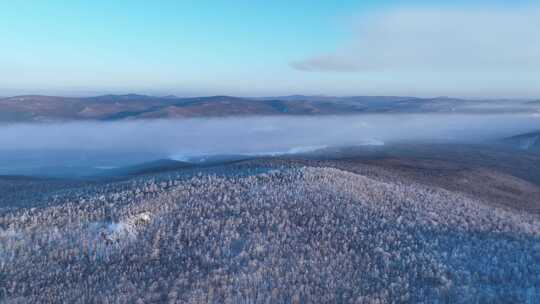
(454, 40)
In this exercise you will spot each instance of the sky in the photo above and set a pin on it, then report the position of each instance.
(268, 48)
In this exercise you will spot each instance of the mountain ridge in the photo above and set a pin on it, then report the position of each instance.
(36, 108)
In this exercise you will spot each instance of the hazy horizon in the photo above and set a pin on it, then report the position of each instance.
(169, 94)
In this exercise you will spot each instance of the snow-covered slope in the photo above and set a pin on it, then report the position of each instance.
(271, 235)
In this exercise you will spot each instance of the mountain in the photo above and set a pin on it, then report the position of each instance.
(47, 108)
(36, 108)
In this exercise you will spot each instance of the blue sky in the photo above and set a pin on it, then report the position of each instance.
(254, 48)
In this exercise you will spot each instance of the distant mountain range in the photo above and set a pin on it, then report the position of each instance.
(132, 106)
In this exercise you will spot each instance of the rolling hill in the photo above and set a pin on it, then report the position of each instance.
(38, 108)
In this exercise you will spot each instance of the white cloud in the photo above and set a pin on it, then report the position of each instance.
(494, 42)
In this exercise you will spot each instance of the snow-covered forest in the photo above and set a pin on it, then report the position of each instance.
(266, 233)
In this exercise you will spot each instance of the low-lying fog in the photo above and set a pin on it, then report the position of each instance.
(104, 145)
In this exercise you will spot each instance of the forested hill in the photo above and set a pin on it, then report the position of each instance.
(31, 108)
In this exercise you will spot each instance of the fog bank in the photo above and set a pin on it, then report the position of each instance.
(259, 135)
